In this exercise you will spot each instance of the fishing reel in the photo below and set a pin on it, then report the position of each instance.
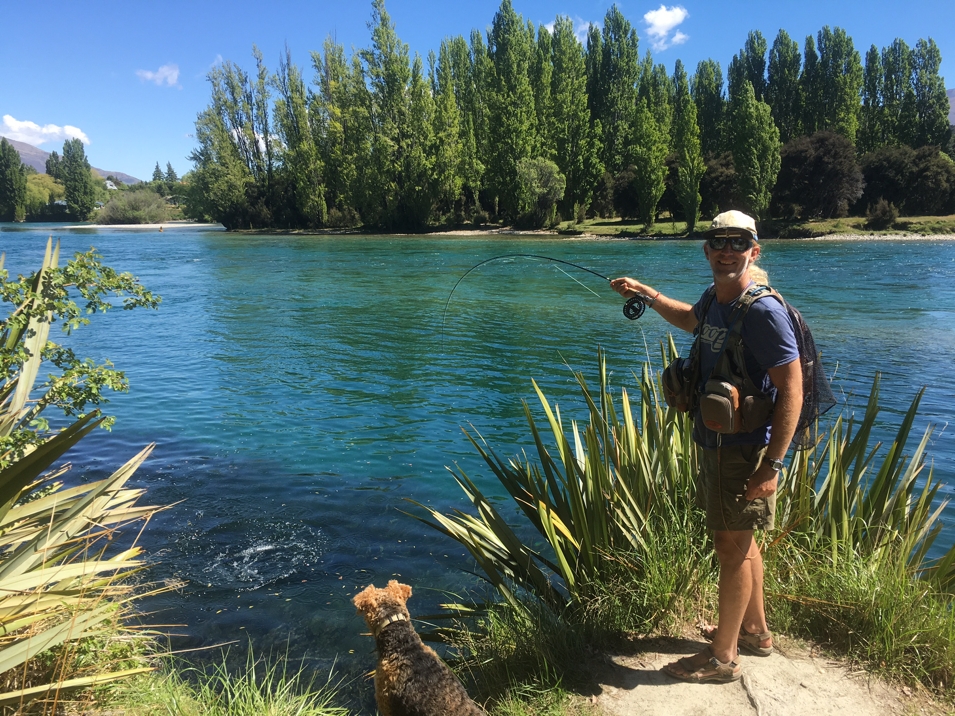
(635, 307)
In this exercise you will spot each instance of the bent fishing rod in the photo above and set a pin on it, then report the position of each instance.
(632, 309)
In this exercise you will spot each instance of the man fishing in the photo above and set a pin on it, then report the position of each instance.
(739, 466)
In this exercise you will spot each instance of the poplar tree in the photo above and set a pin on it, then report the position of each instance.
(840, 83)
(707, 90)
(13, 183)
(542, 73)
(931, 100)
(756, 149)
(466, 69)
(512, 130)
(388, 71)
(749, 65)
(77, 180)
(301, 172)
(235, 156)
(417, 168)
(657, 89)
(575, 142)
(650, 145)
(898, 97)
(810, 86)
(448, 155)
(871, 134)
(616, 89)
(686, 144)
(54, 166)
(783, 93)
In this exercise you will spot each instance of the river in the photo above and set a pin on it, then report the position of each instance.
(301, 388)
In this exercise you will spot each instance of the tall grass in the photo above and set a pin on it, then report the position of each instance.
(259, 688)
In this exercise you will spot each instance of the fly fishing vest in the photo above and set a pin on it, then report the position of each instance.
(729, 401)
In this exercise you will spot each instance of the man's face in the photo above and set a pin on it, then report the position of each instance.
(727, 264)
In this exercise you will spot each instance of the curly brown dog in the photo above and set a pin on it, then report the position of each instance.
(410, 679)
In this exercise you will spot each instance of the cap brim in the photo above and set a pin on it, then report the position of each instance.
(724, 229)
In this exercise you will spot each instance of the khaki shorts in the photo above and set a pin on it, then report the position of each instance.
(724, 473)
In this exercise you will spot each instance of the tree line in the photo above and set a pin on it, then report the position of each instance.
(70, 190)
(530, 125)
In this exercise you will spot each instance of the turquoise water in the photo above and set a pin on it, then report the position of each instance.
(301, 388)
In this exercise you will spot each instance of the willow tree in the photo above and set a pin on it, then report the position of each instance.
(756, 149)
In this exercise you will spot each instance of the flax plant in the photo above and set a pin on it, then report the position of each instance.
(846, 497)
(622, 486)
(59, 579)
(594, 494)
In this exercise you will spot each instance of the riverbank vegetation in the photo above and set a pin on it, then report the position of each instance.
(70, 190)
(65, 570)
(603, 541)
(893, 225)
(529, 126)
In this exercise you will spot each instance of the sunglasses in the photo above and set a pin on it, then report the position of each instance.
(737, 243)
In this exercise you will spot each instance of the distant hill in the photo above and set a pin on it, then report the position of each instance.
(951, 106)
(36, 158)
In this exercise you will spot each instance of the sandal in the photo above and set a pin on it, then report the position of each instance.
(713, 671)
(750, 643)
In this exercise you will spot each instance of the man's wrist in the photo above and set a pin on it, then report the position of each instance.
(776, 464)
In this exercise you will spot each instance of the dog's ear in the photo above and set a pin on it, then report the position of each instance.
(367, 599)
(398, 590)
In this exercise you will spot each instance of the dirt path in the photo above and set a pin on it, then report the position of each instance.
(792, 682)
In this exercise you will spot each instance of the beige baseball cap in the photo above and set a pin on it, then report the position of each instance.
(732, 220)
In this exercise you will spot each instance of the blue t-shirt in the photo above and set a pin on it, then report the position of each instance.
(768, 342)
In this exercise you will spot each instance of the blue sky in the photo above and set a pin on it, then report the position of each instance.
(128, 78)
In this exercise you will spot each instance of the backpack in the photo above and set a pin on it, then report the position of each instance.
(730, 401)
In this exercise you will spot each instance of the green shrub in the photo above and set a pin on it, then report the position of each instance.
(881, 215)
(134, 207)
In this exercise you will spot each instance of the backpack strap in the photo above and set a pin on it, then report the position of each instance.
(732, 361)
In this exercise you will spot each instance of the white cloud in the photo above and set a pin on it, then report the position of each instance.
(166, 75)
(581, 28)
(661, 22)
(33, 133)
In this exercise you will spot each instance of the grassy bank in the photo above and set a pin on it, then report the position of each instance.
(914, 225)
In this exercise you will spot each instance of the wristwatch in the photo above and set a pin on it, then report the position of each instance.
(775, 463)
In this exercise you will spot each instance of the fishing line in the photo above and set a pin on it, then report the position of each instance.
(632, 309)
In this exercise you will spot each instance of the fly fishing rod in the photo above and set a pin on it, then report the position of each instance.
(632, 309)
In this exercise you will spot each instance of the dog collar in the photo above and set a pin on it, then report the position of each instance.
(397, 617)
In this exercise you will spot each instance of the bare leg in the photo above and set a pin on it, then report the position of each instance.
(739, 579)
(735, 551)
(754, 620)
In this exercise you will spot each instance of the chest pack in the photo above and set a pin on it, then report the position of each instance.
(729, 401)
